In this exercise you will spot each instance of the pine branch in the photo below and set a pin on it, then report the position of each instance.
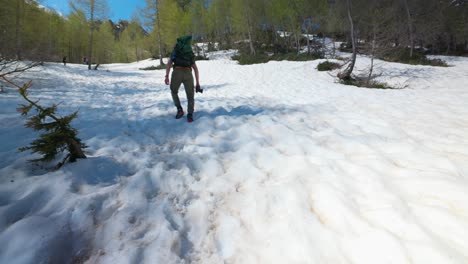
(23, 92)
(24, 109)
(17, 69)
(59, 136)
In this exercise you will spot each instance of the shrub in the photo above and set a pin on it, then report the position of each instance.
(328, 66)
(152, 68)
(402, 55)
(294, 56)
(245, 58)
(347, 47)
(211, 47)
(437, 62)
(200, 57)
(364, 84)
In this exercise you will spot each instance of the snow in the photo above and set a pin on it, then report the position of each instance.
(282, 165)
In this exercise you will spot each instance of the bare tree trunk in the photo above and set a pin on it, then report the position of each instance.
(92, 3)
(334, 46)
(158, 23)
(298, 45)
(447, 40)
(18, 29)
(324, 43)
(346, 74)
(136, 52)
(410, 27)
(372, 55)
(252, 49)
(3, 41)
(203, 48)
(308, 40)
(228, 35)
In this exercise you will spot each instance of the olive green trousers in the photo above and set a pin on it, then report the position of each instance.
(183, 77)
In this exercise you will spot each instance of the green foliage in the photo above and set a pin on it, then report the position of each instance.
(27, 30)
(174, 22)
(103, 43)
(76, 30)
(33, 33)
(246, 59)
(403, 56)
(58, 134)
(328, 66)
(30, 32)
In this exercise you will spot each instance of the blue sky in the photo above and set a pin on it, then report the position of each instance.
(122, 9)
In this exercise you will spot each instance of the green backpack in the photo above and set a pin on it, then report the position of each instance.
(182, 55)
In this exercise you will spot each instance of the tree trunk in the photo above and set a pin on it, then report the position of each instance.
(136, 51)
(334, 46)
(158, 23)
(372, 55)
(91, 33)
(447, 52)
(308, 41)
(410, 27)
(346, 74)
(252, 49)
(75, 150)
(18, 29)
(298, 45)
(275, 40)
(203, 48)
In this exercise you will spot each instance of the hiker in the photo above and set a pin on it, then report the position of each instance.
(64, 61)
(183, 60)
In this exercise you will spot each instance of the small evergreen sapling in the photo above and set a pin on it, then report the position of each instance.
(59, 135)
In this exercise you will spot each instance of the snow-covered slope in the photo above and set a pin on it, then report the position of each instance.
(282, 165)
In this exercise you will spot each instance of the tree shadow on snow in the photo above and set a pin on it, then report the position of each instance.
(208, 88)
(238, 111)
(413, 72)
(117, 134)
(102, 171)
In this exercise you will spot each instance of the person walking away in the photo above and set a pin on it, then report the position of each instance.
(64, 61)
(183, 61)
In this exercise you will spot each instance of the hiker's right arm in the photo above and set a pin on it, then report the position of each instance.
(197, 75)
(168, 70)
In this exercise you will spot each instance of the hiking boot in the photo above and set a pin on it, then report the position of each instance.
(180, 113)
(190, 118)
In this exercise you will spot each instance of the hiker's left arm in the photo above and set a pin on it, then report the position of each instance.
(197, 76)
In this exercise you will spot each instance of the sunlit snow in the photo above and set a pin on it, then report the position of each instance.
(281, 165)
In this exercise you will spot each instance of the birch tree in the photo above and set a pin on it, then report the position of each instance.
(346, 74)
(153, 22)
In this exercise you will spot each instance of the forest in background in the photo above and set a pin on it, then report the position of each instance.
(32, 32)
